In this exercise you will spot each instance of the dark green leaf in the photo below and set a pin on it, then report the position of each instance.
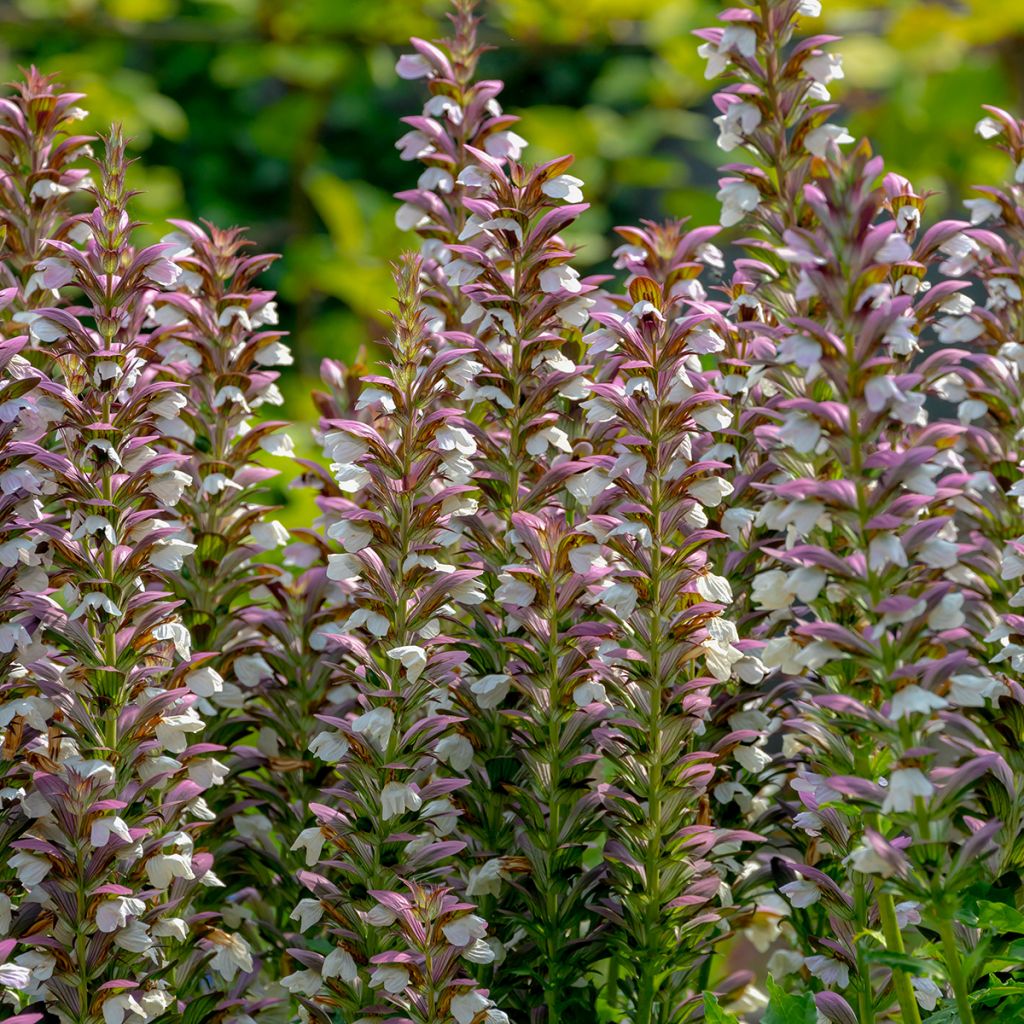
(786, 1009)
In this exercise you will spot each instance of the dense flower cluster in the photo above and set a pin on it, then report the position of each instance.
(653, 656)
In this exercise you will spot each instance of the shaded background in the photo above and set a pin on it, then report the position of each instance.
(282, 115)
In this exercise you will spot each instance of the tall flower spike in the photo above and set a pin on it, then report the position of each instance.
(527, 307)
(461, 117)
(675, 647)
(216, 335)
(38, 154)
(507, 281)
(105, 853)
(399, 754)
(878, 604)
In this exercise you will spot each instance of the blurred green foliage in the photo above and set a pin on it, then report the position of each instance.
(282, 115)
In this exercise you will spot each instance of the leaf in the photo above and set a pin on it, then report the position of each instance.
(1000, 916)
(784, 1008)
(713, 1013)
(946, 1016)
(200, 1008)
(896, 961)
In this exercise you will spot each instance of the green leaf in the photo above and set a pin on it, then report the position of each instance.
(714, 1014)
(895, 961)
(784, 1008)
(1000, 917)
(946, 1016)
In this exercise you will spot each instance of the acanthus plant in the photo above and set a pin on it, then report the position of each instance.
(692, 628)
(673, 650)
(886, 618)
(106, 826)
(384, 824)
(216, 335)
(536, 695)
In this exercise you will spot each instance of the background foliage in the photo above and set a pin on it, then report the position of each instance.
(282, 115)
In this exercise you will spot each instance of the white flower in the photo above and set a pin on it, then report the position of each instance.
(800, 432)
(205, 681)
(398, 797)
(828, 970)
(409, 216)
(413, 65)
(29, 868)
(591, 692)
(714, 588)
(560, 278)
(817, 142)
(564, 187)
(514, 592)
(163, 868)
(376, 725)
(465, 930)
(231, 955)
(738, 122)
(490, 690)
(252, 669)
(982, 210)
(710, 491)
(339, 963)
(927, 992)
(96, 602)
(170, 554)
(738, 198)
(270, 534)
(103, 828)
(329, 746)
(735, 39)
(116, 1008)
(114, 913)
(947, 614)
(866, 860)
(413, 659)
(506, 145)
(353, 535)
(988, 128)
(913, 700)
(972, 691)
(465, 1008)
(801, 893)
(455, 750)
(306, 983)
(485, 880)
(343, 567)
(307, 912)
(391, 978)
(311, 841)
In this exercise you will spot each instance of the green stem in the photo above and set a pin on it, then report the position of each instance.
(894, 944)
(865, 996)
(955, 970)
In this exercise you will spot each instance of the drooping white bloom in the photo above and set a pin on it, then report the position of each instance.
(103, 828)
(376, 725)
(163, 868)
(311, 842)
(828, 970)
(391, 978)
(490, 690)
(514, 592)
(560, 278)
(231, 954)
(565, 187)
(738, 198)
(801, 893)
(398, 797)
(413, 659)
